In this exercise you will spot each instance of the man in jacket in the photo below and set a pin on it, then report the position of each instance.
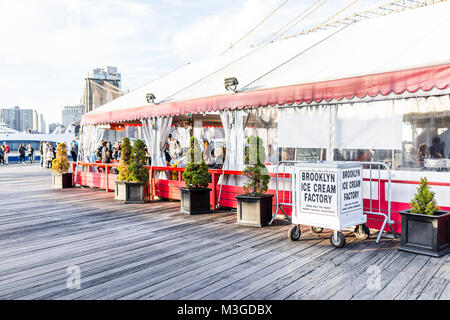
(105, 153)
(74, 150)
(5, 156)
(41, 153)
(30, 151)
(21, 154)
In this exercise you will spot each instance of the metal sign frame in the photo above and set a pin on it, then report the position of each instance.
(289, 178)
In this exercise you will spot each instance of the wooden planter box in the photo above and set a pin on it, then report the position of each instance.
(62, 180)
(254, 211)
(130, 192)
(424, 234)
(195, 201)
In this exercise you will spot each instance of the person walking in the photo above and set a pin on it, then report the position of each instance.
(2, 160)
(74, 150)
(30, 151)
(6, 153)
(49, 155)
(21, 154)
(105, 153)
(42, 149)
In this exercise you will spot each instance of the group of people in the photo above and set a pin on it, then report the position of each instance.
(24, 151)
(47, 152)
(107, 152)
(173, 153)
(435, 151)
(4, 152)
(176, 156)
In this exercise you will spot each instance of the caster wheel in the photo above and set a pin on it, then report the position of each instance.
(294, 233)
(339, 242)
(362, 232)
(316, 229)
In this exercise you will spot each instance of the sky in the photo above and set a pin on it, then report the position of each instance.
(47, 47)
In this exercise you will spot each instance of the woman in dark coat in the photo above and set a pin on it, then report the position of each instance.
(22, 154)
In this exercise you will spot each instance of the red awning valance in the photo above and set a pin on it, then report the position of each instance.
(398, 82)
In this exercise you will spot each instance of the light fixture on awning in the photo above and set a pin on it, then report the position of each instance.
(231, 84)
(150, 98)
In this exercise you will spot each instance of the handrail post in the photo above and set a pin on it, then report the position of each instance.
(107, 178)
(152, 185)
(214, 183)
(149, 183)
(73, 173)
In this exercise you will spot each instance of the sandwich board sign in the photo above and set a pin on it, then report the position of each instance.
(328, 195)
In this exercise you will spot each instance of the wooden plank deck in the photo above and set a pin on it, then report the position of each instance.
(152, 251)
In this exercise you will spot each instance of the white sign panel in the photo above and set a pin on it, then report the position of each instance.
(318, 192)
(351, 193)
(329, 195)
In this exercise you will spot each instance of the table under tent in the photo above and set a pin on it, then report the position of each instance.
(368, 91)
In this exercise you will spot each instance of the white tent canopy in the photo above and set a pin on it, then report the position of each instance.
(406, 40)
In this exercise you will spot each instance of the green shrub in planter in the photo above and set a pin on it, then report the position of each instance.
(424, 202)
(125, 156)
(195, 198)
(425, 228)
(196, 174)
(61, 178)
(138, 172)
(254, 206)
(133, 174)
(256, 172)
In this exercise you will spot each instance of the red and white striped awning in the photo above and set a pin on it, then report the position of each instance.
(398, 82)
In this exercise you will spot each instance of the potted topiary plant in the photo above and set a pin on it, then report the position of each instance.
(195, 197)
(425, 228)
(61, 178)
(133, 174)
(254, 207)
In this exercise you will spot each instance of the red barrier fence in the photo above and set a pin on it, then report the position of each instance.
(224, 195)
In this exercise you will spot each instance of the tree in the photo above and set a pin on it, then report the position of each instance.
(137, 169)
(125, 156)
(61, 163)
(196, 174)
(256, 172)
(424, 202)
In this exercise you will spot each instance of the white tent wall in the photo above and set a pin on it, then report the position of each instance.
(155, 132)
(304, 127)
(372, 125)
(393, 129)
(233, 124)
(90, 139)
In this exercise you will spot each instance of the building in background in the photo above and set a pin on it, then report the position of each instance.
(19, 119)
(42, 125)
(101, 86)
(72, 115)
(52, 127)
(35, 121)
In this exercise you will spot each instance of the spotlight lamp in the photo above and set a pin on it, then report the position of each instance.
(150, 98)
(231, 84)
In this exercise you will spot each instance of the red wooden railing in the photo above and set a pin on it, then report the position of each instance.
(224, 195)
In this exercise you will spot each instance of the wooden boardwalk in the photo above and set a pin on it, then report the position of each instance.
(152, 251)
